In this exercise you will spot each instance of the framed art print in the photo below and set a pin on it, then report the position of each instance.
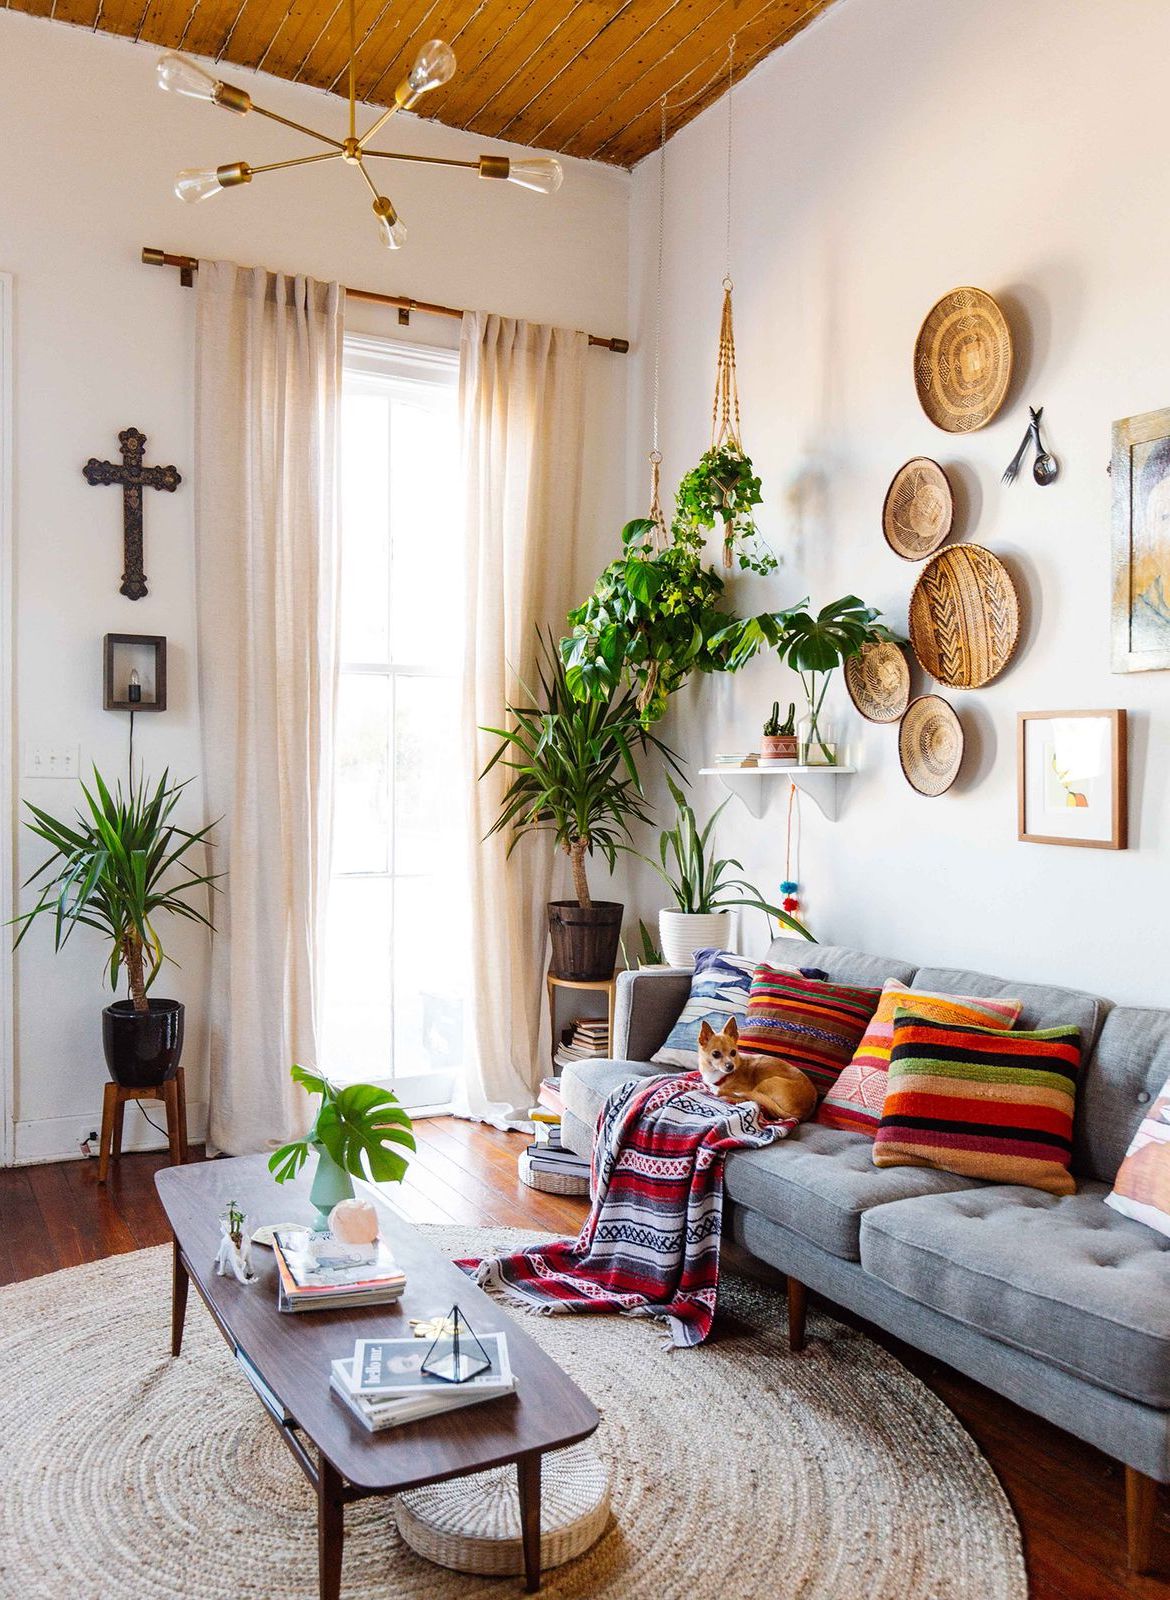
(1141, 542)
(1072, 778)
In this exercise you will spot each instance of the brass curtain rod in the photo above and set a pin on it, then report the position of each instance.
(188, 265)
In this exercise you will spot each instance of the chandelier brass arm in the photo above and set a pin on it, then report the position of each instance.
(434, 65)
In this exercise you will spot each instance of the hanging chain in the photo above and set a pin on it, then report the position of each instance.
(656, 517)
(730, 86)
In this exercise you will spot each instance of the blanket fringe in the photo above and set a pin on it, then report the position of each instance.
(487, 1276)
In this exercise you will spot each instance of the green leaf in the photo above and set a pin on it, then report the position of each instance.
(286, 1162)
(363, 1124)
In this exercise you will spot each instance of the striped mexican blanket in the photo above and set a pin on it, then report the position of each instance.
(650, 1245)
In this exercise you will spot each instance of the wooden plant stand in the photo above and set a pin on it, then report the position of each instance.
(173, 1096)
(606, 986)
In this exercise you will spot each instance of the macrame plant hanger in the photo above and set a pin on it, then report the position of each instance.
(725, 424)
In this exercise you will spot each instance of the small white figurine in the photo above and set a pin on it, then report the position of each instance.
(235, 1248)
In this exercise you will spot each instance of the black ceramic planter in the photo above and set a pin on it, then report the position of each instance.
(584, 938)
(143, 1048)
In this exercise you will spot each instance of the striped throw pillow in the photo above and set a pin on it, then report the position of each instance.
(719, 991)
(855, 1101)
(812, 1024)
(981, 1102)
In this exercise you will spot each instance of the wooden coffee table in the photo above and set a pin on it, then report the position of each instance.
(292, 1353)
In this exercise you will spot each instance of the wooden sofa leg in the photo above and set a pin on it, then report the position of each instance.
(797, 1312)
(1141, 1499)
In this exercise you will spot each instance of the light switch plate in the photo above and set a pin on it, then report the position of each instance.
(51, 760)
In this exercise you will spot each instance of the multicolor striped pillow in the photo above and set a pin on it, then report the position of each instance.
(855, 1101)
(981, 1102)
(815, 1025)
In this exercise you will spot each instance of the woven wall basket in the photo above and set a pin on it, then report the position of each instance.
(878, 680)
(473, 1524)
(930, 745)
(919, 509)
(551, 1182)
(963, 361)
(964, 617)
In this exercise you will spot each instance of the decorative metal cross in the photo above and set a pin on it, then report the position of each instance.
(133, 477)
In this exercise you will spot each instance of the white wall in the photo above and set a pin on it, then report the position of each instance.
(894, 150)
(102, 342)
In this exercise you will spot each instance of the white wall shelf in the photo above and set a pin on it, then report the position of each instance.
(819, 783)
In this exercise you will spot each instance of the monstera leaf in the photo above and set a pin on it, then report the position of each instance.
(358, 1126)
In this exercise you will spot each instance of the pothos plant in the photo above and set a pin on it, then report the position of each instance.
(723, 487)
(655, 616)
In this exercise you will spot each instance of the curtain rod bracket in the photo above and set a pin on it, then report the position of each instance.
(188, 266)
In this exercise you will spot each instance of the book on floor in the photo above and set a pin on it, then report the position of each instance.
(546, 1159)
(389, 1368)
(377, 1413)
(315, 1271)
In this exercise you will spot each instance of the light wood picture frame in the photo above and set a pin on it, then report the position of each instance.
(1141, 543)
(1072, 778)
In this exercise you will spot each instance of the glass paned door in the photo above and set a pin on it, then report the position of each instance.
(393, 999)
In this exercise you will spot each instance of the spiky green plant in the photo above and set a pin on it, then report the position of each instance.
(114, 870)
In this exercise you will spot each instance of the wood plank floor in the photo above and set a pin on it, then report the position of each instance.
(1068, 1497)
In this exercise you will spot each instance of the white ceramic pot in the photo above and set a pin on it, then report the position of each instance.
(684, 932)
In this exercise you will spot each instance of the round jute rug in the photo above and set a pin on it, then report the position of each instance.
(738, 1470)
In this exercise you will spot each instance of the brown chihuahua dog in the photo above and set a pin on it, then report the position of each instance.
(780, 1090)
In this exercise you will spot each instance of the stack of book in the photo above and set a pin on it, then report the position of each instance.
(748, 758)
(316, 1272)
(555, 1159)
(549, 1106)
(383, 1383)
(587, 1039)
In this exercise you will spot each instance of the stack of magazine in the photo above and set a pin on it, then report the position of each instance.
(316, 1272)
(383, 1383)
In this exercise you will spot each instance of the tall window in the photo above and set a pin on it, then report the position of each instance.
(393, 1012)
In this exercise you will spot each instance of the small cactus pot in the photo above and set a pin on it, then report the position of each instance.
(779, 747)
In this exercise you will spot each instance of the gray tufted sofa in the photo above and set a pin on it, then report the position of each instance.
(1061, 1304)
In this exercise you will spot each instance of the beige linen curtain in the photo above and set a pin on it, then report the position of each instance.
(521, 390)
(267, 400)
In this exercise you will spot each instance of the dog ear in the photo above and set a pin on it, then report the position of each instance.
(731, 1030)
(706, 1032)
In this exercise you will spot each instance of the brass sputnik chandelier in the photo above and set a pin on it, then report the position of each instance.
(434, 65)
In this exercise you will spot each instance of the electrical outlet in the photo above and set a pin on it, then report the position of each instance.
(51, 760)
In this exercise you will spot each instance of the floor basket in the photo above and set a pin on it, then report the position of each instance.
(552, 1182)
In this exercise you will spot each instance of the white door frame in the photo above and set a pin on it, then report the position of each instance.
(7, 729)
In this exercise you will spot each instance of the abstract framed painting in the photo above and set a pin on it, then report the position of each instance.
(1141, 542)
(1072, 778)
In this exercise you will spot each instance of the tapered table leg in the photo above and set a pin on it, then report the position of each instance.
(528, 1472)
(179, 1285)
(107, 1138)
(330, 1530)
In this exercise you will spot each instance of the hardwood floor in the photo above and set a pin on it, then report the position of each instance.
(1068, 1497)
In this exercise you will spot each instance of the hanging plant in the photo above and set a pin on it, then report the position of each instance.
(723, 487)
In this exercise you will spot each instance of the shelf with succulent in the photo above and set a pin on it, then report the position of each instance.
(360, 1131)
(656, 616)
(574, 776)
(118, 867)
(702, 887)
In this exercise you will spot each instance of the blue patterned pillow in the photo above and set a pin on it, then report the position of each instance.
(719, 989)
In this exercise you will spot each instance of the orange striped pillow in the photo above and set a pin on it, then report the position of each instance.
(981, 1102)
(814, 1025)
(855, 1100)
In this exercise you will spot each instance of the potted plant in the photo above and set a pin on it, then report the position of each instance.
(359, 1132)
(654, 617)
(815, 647)
(724, 487)
(703, 892)
(118, 867)
(574, 776)
(778, 741)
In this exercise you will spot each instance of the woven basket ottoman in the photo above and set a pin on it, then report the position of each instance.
(551, 1182)
(472, 1524)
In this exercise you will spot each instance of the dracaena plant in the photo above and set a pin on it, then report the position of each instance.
(574, 773)
(119, 866)
(361, 1128)
(698, 879)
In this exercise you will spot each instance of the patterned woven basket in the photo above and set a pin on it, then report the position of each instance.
(551, 1182)
(473, 1524)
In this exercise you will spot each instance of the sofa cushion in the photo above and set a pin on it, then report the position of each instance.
(719, 991)
(821, 1181)
(985, 1102)
(1128, 1068)
(811, 1024)
(1061, 1277)
(587, 1085)
(1141, 1189)
(1044, 1005)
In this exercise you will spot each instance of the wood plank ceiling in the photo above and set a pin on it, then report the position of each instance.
(584, 77)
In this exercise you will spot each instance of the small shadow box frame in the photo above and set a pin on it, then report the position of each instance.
(141, 653)
(1072, 778)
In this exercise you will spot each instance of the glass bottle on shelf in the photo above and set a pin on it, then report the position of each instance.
(816, 745)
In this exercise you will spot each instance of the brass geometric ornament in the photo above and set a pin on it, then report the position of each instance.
(434, 65)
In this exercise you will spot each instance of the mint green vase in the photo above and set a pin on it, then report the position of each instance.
(331, 1183)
